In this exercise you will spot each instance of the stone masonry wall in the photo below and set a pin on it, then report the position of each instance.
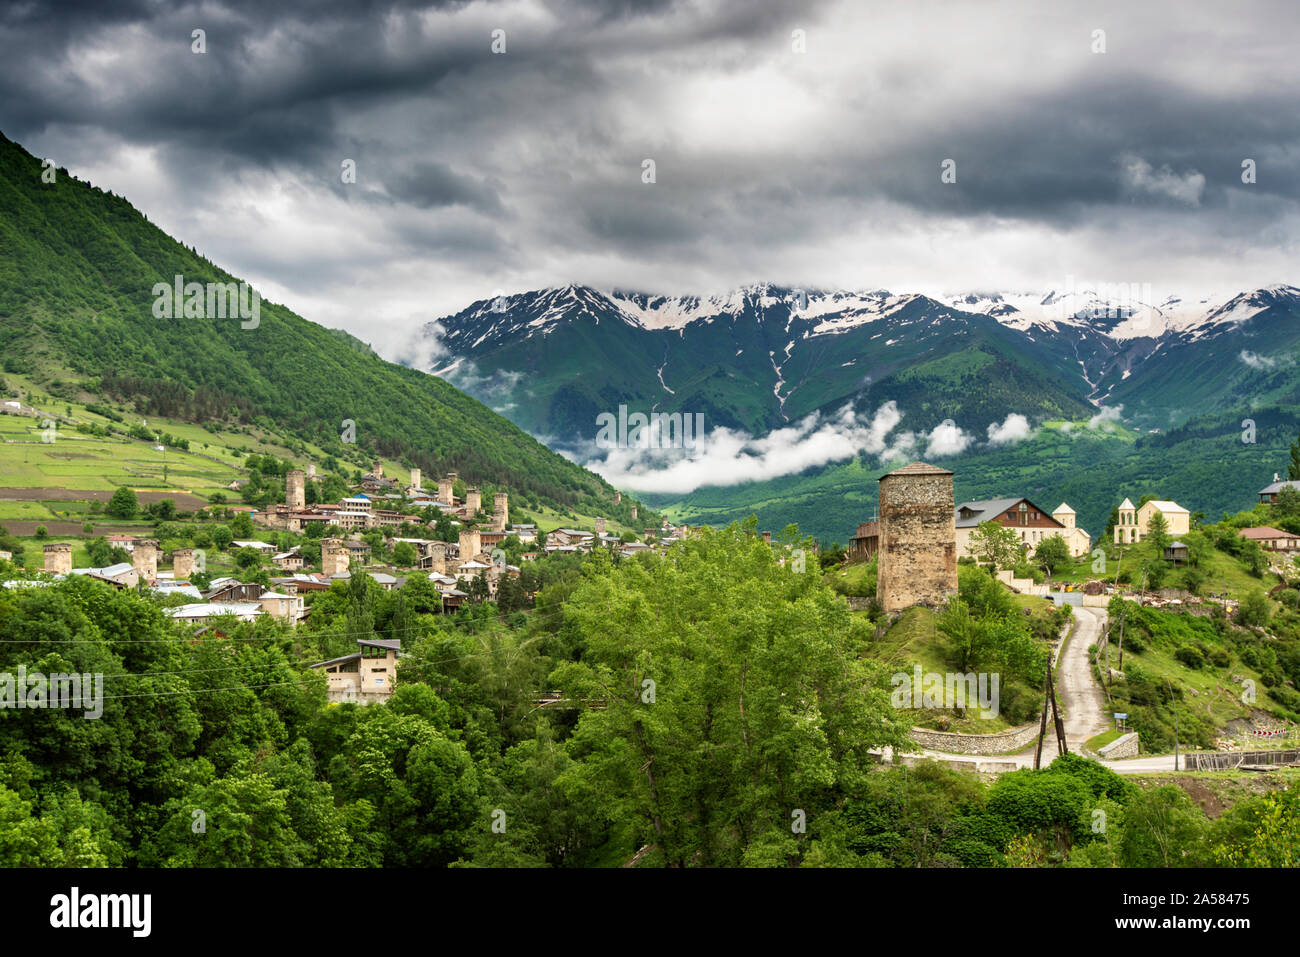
(918, 540)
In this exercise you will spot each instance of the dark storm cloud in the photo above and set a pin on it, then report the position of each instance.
(477, 171)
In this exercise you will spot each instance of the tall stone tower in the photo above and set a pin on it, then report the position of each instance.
(917, 561)
(470, 543)
(444, 489)
(473, 502)
(182, 563)
(438, 553)
(600, 526)
(295, 488)
(334, 557)
(378, 470)
(58, 559)
(501, 509)
(618, 497)
(634, 513)
(144, 557)
(415, 480)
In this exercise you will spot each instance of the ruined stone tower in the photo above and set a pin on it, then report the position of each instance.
(334, 557)
(58, 559)
(444, 489)
(473, 502)
(501, 510)
(618, 497)
(917, 561)
(438, 555)
(182, 563)
(295, 489)
(144, 558)
(634, 513)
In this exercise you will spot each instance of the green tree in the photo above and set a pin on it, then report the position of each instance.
(734, 694)
(1293, 467)
(123, 503)
(1162, 828)
(1254, 609)
(1052, 553)
(404, 554)
(1158, 534)
(996, 545)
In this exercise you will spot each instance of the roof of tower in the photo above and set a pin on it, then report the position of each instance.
(917, 468)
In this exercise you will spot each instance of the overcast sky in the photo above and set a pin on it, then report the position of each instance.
(479, 171)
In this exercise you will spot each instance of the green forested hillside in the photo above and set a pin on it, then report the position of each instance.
(77, 270)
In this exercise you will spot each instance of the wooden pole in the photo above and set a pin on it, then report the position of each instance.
(1042, 725)
(1056, 717)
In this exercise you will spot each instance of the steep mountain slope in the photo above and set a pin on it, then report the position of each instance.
(77, 272)
(765, 355)
(754, 360)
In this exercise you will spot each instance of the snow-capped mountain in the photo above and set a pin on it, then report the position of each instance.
(761, 355)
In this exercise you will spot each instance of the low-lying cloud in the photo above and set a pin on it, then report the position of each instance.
(1014, 428)
(724, 456)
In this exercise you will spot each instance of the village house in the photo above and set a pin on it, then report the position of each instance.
(365, 676)
(1268, 493)
(1030, 522)
(200, 613)
(262, 547)
(1272, 539)
(1133, 523)
(290, 561)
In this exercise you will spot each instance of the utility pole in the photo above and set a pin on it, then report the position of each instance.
(1174, 701)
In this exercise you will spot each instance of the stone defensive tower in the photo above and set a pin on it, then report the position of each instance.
(618, 497)
(470, 544)
(473, 502)
(144, 558)
(334, 557)
(58, 559)
(634, 513)
(600, 526)
(182, 563)
(917, 561)
(438, 555)
(501, 510)
(295, 488)
(415, 480)
(444, 489)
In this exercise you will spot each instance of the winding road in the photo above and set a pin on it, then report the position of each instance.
(1082, 701)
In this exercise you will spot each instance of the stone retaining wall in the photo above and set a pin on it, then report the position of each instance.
(1125, 746)
(955, 742)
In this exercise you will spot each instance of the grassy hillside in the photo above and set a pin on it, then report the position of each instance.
(77, 272)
